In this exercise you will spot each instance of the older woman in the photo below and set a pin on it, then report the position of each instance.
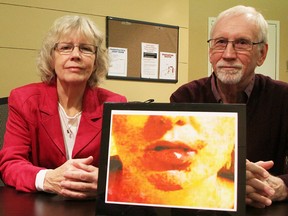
(53, 131)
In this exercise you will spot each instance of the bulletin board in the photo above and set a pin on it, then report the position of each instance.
(142, 51)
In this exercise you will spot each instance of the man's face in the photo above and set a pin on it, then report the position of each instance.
(231, 66)
(173, 152)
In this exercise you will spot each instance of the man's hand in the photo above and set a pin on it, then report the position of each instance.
(258, 192)
(76, 178)
(261, 187)
(279, 187)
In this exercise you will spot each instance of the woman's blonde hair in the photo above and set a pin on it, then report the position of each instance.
(62, 27)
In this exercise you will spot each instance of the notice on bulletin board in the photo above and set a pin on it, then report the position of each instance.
(167, 65)
(149, 60)
(118, 61)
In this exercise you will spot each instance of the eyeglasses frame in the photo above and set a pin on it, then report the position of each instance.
(73, 47)
(233, 44)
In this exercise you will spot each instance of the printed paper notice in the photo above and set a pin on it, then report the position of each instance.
(118, 61)
(149, 60)
(167, 65)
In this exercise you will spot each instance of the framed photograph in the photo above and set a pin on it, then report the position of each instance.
(172, 159)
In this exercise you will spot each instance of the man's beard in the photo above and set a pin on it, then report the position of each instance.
(231, 76)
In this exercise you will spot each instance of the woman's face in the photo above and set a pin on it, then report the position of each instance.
(74, 68)
(173, 152)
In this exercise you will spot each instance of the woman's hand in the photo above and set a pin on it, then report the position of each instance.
(76, 178)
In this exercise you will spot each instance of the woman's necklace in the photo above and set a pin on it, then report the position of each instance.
(69, 122)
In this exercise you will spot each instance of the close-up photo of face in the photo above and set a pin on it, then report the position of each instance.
(172, 152)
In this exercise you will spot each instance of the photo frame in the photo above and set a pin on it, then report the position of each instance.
(172, 159)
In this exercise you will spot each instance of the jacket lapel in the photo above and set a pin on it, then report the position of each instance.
(91, 121)
(50, 117)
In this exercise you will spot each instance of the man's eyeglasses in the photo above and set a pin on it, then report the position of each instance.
(67, 48)
(238, 44)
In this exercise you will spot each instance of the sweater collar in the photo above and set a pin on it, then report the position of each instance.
(247, 92)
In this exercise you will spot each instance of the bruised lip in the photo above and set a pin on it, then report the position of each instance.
(164, 155)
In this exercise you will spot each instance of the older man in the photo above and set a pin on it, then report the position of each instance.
(238, 44)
